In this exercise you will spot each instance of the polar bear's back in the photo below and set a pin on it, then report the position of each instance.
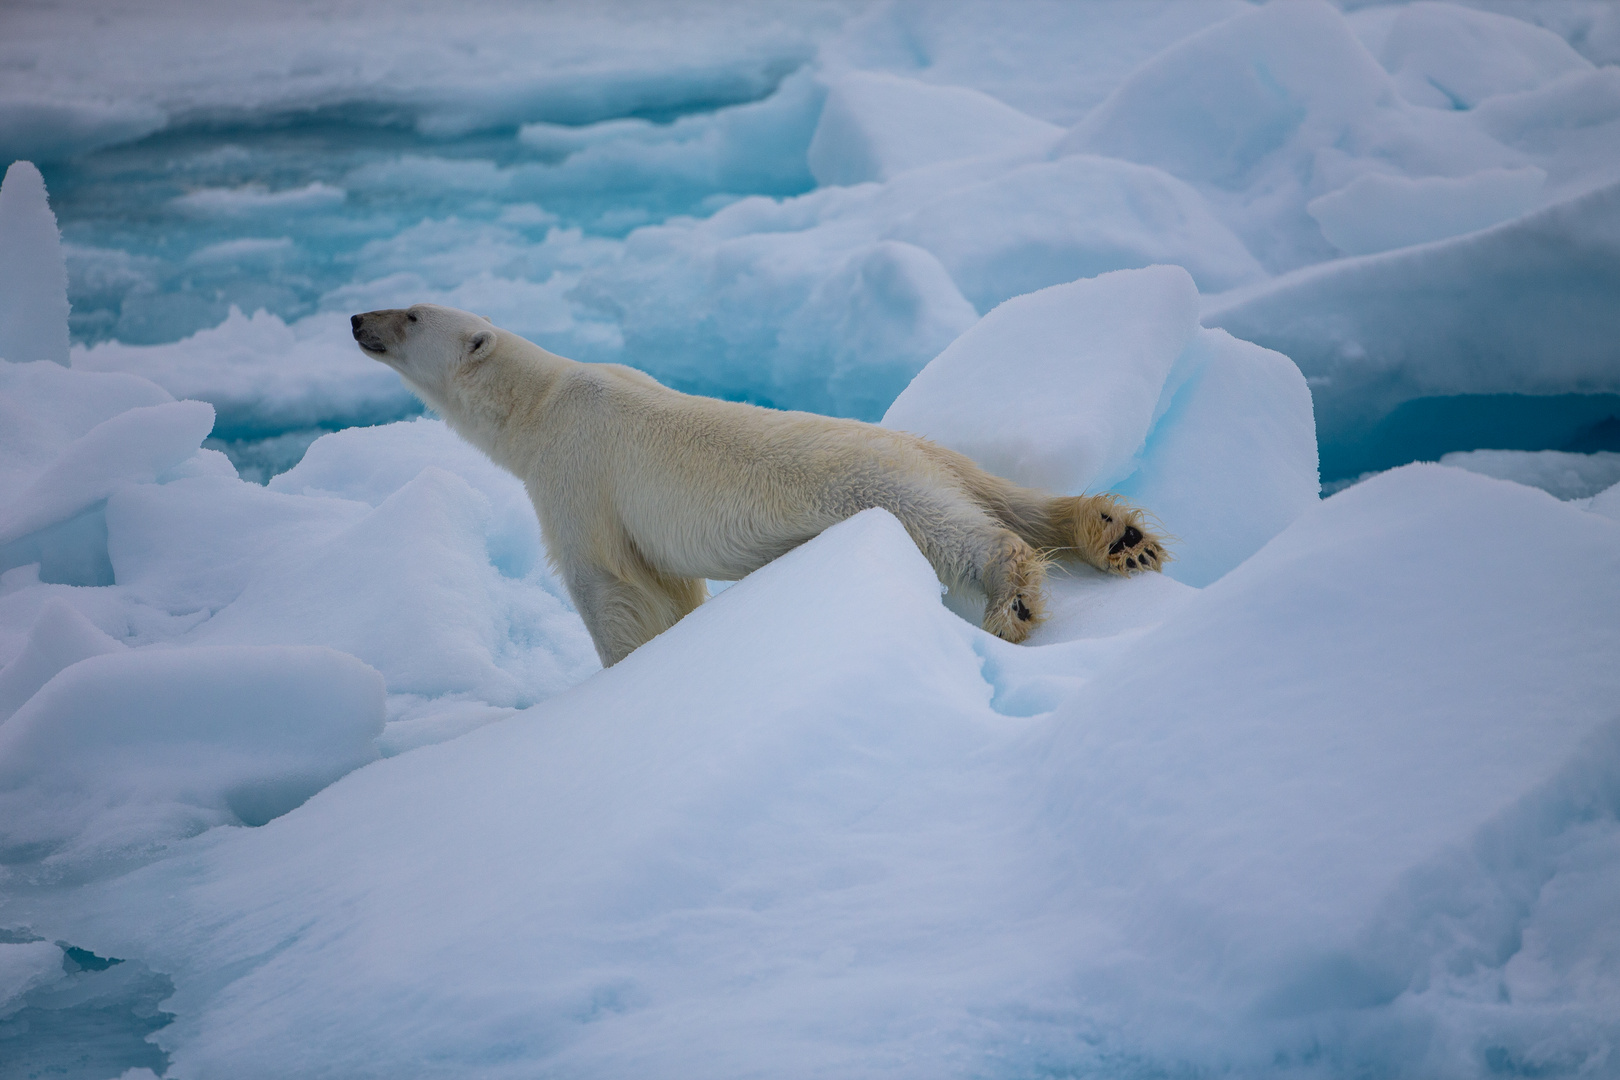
(715, 489)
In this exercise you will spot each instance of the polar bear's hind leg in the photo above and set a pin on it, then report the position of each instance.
(1107, 533)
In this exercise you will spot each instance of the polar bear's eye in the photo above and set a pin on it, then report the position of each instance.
(409, 317)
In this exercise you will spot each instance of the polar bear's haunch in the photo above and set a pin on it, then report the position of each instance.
(643, 492)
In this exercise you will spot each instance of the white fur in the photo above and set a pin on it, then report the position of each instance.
(642, 492)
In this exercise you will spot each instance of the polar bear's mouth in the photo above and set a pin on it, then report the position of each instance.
(366, 337)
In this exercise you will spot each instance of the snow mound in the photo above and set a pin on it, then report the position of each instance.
(265, 376)
(1318, 806)
(59, 638)
(1079, 216)
(132, 447)
(1110, 384)
(133, 748)
(23, 966)
(1522, 308)
(875, 126)
(1269, 110)
(1377, 843)
(1452, 57)
(33, 273)
(1375, 212)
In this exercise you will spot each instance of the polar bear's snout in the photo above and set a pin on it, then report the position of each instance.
(372, 329)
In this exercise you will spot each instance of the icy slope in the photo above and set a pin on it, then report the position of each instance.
(800, 839)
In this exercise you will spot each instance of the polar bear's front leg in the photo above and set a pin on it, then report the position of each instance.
(1013, 577)
(625, 611)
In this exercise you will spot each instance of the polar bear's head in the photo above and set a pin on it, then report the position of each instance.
(425, 343)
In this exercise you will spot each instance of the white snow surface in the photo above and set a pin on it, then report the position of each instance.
(330, 761)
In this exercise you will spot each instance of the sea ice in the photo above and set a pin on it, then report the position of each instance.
(1561, 475)
(1110, 384)
(33, 273)
(875, 126)
(132, 748)
(1335, 796)
(1309, 810)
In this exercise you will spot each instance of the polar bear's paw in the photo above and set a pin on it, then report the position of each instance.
(1114, 537)
(1013, 580)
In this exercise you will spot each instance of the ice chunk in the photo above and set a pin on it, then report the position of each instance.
(1561, 475)
(141, 747)
(1522, 308)
(1376, 212)
(875, 126)
(870, 327)
(60, 638)
(132, 447)
(1047, 58)
(370, 464)
(265, 376)
(1345, 766)
(194, 544)
(411, 590)
(33, 273)
(1106, 384)
(1212, 106)
(1452, 57)
(1233, 458)
(1057, 389)
(1270, 109)
(1047, 223)
(44, 407)
(23, 966)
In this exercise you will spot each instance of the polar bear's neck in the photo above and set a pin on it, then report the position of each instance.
(495, 401)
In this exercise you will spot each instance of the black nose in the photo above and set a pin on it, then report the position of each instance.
(354, 321)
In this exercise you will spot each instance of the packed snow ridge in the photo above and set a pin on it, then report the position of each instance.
(320, 776)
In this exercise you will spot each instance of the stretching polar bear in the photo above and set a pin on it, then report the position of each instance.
(643, 492)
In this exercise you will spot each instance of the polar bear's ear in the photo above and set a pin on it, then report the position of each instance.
(487, 319)
(480, 343)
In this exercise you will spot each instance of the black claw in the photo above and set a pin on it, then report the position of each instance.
(1020, 610)
(1131, 563)
(1105, 517)
(1131, 537)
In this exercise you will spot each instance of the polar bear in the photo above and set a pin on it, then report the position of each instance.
(643, 492)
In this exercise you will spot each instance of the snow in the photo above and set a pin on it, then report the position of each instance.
(878, 867)
(1451, 57)
(1522, 308)
(23, 966)
(33, 274)
(875, 126)
(132, 748)
(59, 638)
(307, 765)
(1379, 213)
